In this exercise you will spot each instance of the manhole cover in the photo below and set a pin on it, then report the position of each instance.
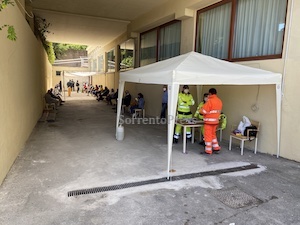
(235, 198)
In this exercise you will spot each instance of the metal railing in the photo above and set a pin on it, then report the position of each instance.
(82, 60)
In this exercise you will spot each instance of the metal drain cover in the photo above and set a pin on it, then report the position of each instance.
(235, 198)
(160, 180)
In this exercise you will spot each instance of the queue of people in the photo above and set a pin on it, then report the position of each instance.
(209, 109)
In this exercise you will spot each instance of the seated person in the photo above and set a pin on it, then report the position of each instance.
(90, 89)
(49, 99)
(95, 90)
(140, 102)
(56, 96)
(103, 94)
(127, 99)
(57, 90)
(110, 96)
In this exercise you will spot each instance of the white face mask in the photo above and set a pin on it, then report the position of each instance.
(186, 91)
(164, 89)
(205, 99)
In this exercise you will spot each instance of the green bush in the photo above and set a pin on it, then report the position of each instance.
(61, 49)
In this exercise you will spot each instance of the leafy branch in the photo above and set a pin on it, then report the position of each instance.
(11, 33)
(4, 4)
(42, 26)
(41, 29)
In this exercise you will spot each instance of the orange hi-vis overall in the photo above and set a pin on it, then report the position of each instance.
(211, 111)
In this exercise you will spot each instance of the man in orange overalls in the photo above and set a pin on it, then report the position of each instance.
(211, 111)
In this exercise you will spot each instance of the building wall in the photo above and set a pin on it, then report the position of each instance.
(23, 64)
(99, 79)
(288, 66)
(290, 104)
(256, 102)
(110, 80)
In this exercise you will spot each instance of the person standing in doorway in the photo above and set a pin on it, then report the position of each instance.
(185, 101)
(164, 104)
(211, 111)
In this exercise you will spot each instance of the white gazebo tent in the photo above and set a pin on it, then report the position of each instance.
(197, 69)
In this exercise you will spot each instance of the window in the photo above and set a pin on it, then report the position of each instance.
(160, 43)
(148, 48)
(169, 41)
(242, 29)
(94, 65)
(58, 73)
(111, 61)
(127, 55)
(214, 26)
(100, 64)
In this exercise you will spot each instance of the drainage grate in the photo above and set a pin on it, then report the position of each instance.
(235, 198)
(159, 180)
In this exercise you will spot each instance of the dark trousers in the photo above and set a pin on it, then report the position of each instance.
(164, 107)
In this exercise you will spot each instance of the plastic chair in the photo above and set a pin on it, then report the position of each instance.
(138, 113)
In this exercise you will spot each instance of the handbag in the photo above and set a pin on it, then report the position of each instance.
(252, 132)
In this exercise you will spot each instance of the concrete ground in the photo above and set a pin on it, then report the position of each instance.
(79, 151)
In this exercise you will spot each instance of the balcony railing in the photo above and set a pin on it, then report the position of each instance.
(82, 61)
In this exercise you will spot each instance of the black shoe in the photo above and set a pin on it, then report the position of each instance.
(175, 140)
(216, 151)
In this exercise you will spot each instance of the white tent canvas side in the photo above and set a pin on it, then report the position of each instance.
(197, 69)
